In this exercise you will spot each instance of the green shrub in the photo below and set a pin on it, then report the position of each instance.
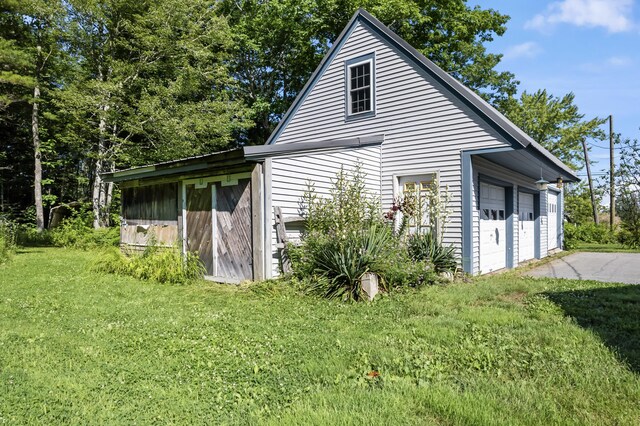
(587, 233)
(75, 232)
(425, 247)
(29, 236)
(399, 270)
(349, 210)
(629, 238)
(160, 264)
(7, 241)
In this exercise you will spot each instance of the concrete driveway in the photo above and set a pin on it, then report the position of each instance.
(608, 267)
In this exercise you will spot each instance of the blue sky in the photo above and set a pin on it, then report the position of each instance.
(588, 47)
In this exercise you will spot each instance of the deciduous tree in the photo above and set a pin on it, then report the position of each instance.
(152, 85)
(30, 49)
(628, 191)
(554, 122)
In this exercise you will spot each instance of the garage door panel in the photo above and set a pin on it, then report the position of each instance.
(493, 228)
(526, 227)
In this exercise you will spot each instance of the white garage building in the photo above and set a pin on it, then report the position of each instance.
(374, 101)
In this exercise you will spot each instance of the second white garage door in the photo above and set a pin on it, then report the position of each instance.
(526, 228)
(493, 229)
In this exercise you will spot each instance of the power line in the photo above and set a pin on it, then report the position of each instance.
(606, 147)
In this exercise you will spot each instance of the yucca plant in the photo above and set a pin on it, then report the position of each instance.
(426, 247)
(340, 263)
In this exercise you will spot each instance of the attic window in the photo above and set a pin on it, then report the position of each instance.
(360, 88)
(360, 76)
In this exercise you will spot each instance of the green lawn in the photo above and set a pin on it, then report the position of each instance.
(82, 348)
(605, 248)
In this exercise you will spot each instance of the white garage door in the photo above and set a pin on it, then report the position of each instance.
(552, 215)
(526, 229)
(493, 229)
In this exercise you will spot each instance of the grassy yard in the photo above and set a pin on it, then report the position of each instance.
(80, 347)
(605, 248)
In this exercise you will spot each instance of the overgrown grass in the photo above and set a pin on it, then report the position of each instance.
(160, 264)
(77, 347)
(76, 233)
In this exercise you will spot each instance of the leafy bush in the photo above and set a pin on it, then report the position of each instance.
(7, 240)
(344, 237)
(77, 233)
(399, 270)
(163, 265)
(29, 236)
(425, 247)
(628, 205)
(348, 210)
(629, 238)
(628, 192)
(587, 233)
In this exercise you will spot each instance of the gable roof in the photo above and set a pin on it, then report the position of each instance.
(514, 135)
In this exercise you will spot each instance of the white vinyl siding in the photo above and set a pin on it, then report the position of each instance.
(290, 175)
(425, 126)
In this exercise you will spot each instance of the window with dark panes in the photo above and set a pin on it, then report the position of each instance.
(360, 88)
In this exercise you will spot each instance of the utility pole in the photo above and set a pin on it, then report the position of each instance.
(593, 196)
(612, 192)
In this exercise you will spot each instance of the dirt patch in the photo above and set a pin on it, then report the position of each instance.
(516, 297)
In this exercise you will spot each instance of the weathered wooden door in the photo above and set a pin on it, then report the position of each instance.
(233, 231)
(199, 235)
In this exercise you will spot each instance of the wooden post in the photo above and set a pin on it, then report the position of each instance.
(588, 165)
(281, 235)
(257, 223)
(612, 196)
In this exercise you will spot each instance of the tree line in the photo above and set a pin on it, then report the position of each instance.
(88, 86)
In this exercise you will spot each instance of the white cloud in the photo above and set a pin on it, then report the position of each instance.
(528, 49)
(619, 61)
(609, 64)
(614, 15)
